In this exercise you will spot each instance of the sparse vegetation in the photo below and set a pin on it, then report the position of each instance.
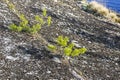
(98, 8)
(24, 26)
(66, 47)
(44, 12)
(49, 20)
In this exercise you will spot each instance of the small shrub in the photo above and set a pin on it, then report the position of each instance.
(15, 28)
(39, 20)
(52, 47)
(66, 47)
(10, 5)
(24, 23)
(49, 20)
(44, 12)
(62, 41)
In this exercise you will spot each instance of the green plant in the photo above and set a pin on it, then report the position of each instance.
(76, 52)
(24, 21)
(62, 41)
(39, 19)
(67, 51)
(10, 5)
(35, 28)
(15, 28)
(52, 47)
(44, 12)
(49, 20)
(66, 47)
(24, 25)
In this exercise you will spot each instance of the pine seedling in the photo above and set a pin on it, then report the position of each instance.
(67, 51)
(13, 27)
(44, 12)
(35, 28)
(75, 52)
(49, 21)
(71, 45)
(62, 41)
(32, 30)
(82, 50)
(67, 48)
(10, 5)
(19, 29)
(24, 21)
(39, 19)
(51, 47)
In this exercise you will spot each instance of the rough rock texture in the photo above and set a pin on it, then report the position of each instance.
(23, 57)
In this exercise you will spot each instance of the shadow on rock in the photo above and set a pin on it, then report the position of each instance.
(41, 53)
(110, 41)
(37, 53)
(105, 38)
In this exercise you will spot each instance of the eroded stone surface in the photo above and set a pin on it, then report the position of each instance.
(23, 57)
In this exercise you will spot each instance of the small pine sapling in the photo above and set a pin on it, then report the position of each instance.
(62, 41)
(13, 27)
(66, 47)
(39, 19)
(67, 51)
(44, 12)
(52, 47)
(24, 23)
(49, 21)
(10, 5)
(35, 28)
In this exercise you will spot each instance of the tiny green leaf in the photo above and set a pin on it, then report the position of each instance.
(59, 39)
(13, 27)
(66, 39)
(71, 45)
(51, 47)
(19, 29)
(82, 50)
(75, 52)
(49, 20)
(33, 30)
(11, 6)
(62, 41)
(37, 27)
(22, 17)
(24, 21)
(67, 51)
(39, 19)
(44, 12)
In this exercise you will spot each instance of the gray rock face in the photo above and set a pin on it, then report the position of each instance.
(23, 57)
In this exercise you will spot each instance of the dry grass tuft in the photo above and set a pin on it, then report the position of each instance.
(98, 8)
(102, 10)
